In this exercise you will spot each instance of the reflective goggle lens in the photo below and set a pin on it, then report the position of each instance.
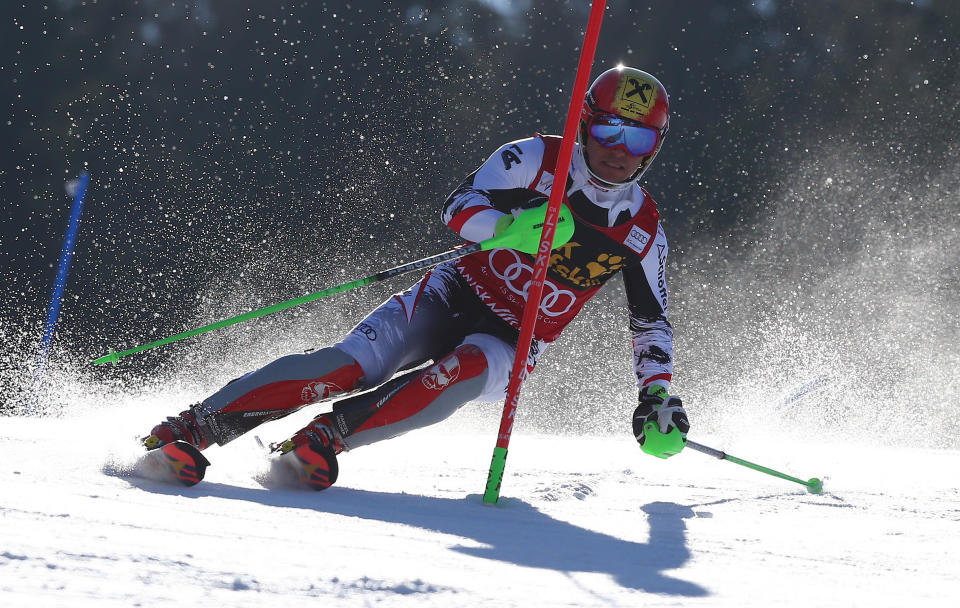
(610, 131)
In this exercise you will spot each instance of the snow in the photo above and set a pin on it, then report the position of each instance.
(581, 522)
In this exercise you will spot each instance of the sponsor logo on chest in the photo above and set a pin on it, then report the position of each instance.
(584, 267)
(637, 239)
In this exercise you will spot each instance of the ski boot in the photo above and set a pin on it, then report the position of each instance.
(173, 450)
(312, 453)
(184, 427)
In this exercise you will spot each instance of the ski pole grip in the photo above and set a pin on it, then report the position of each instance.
(523, 234)
(693, 445)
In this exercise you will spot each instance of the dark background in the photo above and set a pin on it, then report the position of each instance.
(246, 152)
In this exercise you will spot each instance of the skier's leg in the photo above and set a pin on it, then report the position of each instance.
(269, 393)
(413, 400)
(477, 370)
(402, 332)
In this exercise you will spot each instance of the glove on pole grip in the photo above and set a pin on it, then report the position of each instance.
(524, 231)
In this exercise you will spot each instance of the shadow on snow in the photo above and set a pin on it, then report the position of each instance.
(513, 531)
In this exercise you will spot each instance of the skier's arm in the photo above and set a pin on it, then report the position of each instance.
(652, 334)
(497, 188)
(660, 423)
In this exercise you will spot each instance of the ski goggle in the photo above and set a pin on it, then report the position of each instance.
(611, 131)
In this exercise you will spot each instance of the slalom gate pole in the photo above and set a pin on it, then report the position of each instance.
(60, 283)
(813, 485)
(503, 240)
(491, 493)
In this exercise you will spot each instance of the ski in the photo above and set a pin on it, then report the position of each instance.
(311, 466)
(177, 462)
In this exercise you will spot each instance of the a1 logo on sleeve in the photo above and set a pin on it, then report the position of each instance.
(510, 156)
(637, 239)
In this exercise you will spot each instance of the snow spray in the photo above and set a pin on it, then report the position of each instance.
(833, 316)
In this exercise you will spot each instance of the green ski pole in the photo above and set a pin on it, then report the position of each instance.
(813, 485)
(522, 234)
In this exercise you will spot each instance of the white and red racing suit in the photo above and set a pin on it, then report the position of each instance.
(617, 230)
(464, 315)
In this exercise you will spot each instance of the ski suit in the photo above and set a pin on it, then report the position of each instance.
(464, 315)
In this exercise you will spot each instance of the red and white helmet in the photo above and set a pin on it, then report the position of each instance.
(632, 95)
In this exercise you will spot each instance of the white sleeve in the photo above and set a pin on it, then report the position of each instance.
(651, 331)
(472, 209)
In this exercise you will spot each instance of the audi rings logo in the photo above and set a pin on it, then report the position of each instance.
(366, 330)
(507, 265)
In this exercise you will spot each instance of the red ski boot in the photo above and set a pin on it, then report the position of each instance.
(173, 450)
(176, 461)
(312, 453)
(178, 428)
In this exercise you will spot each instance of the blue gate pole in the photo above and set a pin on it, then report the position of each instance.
(66, 254)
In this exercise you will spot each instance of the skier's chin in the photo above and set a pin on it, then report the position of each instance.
(612, 174)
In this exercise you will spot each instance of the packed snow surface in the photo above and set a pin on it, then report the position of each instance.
(581, 522)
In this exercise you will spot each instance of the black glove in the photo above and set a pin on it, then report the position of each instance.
(660, 422)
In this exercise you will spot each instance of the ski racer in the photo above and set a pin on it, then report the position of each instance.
(463, 317)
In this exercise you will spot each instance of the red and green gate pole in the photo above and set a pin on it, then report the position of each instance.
(535, 290)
